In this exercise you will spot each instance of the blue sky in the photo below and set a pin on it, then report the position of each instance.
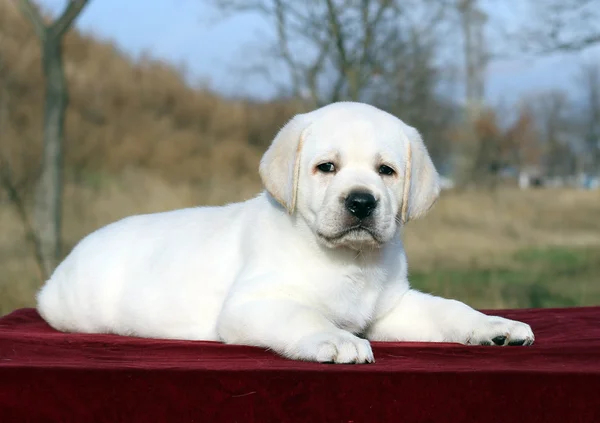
(190, 34)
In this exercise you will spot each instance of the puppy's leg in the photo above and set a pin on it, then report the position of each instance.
(425, 318)
(292, 330)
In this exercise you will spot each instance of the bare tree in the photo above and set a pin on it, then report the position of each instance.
(475, 54)
(553, 114)
(560, 25)
(479, 135)
(522, 141)
(383, 52)
(409, 86)
(48, 209)
(7, 180)
(589, 81)
(335, 49)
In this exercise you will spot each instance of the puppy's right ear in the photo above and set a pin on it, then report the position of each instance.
(280, 165)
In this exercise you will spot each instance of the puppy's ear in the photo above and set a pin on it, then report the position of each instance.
(424, 184)
(280, 165)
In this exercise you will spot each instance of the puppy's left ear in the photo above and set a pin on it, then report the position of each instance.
(280, 165)
(424, 184)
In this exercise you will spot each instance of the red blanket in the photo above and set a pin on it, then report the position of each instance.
(47, 376)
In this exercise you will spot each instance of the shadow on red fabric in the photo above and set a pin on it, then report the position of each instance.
(48, 376)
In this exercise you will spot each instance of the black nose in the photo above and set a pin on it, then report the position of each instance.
(360, 204)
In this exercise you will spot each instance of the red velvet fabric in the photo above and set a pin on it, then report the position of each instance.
(48, 376)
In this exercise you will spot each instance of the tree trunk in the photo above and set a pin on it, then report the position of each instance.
(353, 84)
(48, 207)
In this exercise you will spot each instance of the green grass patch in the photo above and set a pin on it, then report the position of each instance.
(547, 277)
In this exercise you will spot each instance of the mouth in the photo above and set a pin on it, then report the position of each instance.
(353, 230)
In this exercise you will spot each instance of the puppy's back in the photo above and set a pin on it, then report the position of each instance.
(130, 276)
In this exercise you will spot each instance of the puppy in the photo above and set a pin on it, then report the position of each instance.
(313, 268)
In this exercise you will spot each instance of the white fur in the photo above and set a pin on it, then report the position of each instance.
(278, 271)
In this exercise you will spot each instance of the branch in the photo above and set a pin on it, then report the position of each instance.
(572, 45)
(63, 23)
(313, 71)
(336, 30)
(555, 31)
(32, 13)
(265, 72)
(30, 233)
(283, 44)
(229, 6)
(336, 92)
(370, 28)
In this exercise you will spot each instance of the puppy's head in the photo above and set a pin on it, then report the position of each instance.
(353, 172)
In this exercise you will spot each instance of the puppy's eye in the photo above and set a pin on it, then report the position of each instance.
(326, 167)
(386, 170)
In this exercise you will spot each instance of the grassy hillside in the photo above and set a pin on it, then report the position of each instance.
(140, 140)
(126, 113)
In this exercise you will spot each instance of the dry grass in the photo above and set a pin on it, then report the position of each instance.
(124, 113)
(476, 228)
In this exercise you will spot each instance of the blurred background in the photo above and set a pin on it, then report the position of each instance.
(110, 108)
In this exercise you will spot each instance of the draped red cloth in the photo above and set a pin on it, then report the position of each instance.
(48, 376)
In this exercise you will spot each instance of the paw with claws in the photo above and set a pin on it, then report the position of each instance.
(499, 331)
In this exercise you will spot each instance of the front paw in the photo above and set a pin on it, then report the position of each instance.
(500, 331)
(334, 347)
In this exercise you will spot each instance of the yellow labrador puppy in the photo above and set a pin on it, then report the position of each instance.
(313, 268)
